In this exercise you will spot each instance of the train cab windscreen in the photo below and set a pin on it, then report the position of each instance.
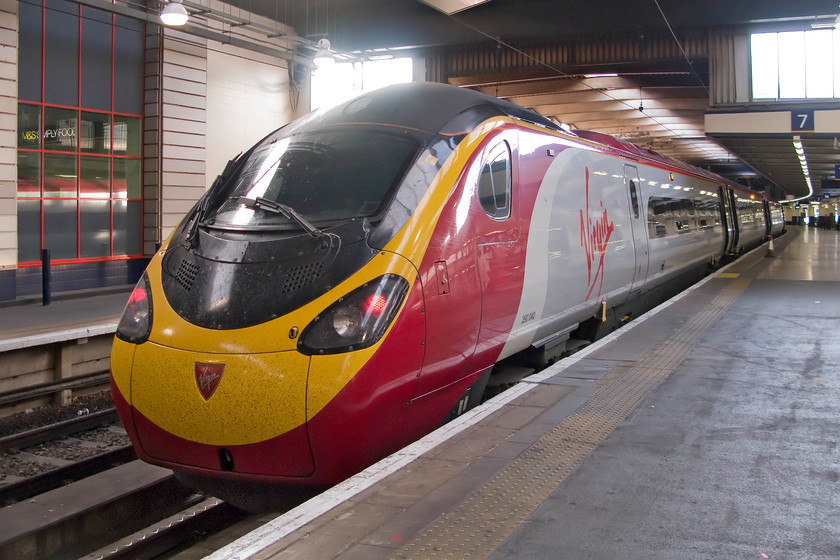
(322, 175)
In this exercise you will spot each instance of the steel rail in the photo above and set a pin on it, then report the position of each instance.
(52, 387)
(173, 533)
(58, 430)
(59, 476)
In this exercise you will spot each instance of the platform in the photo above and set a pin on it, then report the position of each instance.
(707, 428)
(88, 313)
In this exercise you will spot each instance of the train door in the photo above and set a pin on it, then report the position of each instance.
(768, 221)
(499, 254)
(638, 224)
(733, 219)
(727, 214)
(468, 290)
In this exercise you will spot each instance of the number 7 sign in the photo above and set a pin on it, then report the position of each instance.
(802, 120)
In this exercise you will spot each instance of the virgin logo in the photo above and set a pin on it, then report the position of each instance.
(207, 377)
(594, 237)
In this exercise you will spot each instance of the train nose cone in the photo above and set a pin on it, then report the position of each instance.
(229, 412)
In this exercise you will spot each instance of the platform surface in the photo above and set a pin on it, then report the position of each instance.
(707, 429)
(93, 313)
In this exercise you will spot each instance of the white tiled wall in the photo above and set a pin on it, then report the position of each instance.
(8, 133)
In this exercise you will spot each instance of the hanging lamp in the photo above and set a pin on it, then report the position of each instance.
(174, 13)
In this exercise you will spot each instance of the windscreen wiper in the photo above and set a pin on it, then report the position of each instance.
(204, 203)
(282, 209)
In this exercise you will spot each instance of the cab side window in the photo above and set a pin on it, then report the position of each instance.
(494, 182)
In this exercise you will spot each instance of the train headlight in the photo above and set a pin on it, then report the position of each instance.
(357, 320)
(136, 322)
(347, 322)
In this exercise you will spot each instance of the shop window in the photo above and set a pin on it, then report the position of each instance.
(128, 135)
(60, 129)
(29, 175)
(29, 230)
(60, 176)
(127, 178)
(61, 53)
(60, 216)
(94, 224)
(128, 77)
(97, 53)
(79, 133)
(29, 126)
(95, 133)
(30, 57)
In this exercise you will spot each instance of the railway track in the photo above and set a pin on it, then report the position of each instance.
(103, 505)
(47, 457)
(147, 513)
(54, 478)
(51, 432)
(172, 534)
(84, 516)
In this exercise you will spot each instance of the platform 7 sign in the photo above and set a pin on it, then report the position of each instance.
(802, 120)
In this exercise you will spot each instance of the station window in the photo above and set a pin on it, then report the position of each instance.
(340, 82)
(79, 145)
(796, 64)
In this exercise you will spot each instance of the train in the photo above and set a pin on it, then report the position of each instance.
(361, 275)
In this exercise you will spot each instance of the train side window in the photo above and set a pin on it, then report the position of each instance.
(634, 198)
(494, 182)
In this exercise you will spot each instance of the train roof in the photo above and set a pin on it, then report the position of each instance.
(432, 108)
(655, 158)
(423, 106)
(638, 152)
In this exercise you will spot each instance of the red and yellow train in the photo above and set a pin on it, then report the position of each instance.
(355, 279)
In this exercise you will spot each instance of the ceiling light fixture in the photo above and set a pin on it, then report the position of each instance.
(174, 13)
(452, 6)
(323, 56)
(803, 164)
(827, 23)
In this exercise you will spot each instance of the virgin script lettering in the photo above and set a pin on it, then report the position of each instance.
(594, 237)
(207, 377)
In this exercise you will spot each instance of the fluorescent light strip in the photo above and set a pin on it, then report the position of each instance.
(803, 164)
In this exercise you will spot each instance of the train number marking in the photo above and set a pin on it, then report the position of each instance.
(594, 237)
(528, 317)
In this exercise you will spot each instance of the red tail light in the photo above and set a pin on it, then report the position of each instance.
(375, 304)
(136, 322)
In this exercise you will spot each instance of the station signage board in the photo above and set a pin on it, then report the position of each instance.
(802, 120)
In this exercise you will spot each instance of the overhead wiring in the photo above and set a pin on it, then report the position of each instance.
(562, 74)
(682, 50)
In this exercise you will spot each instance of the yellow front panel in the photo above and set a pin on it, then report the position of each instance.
(122, 358)
(259, 396)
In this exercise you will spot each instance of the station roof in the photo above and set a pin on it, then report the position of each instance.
(660, 105)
